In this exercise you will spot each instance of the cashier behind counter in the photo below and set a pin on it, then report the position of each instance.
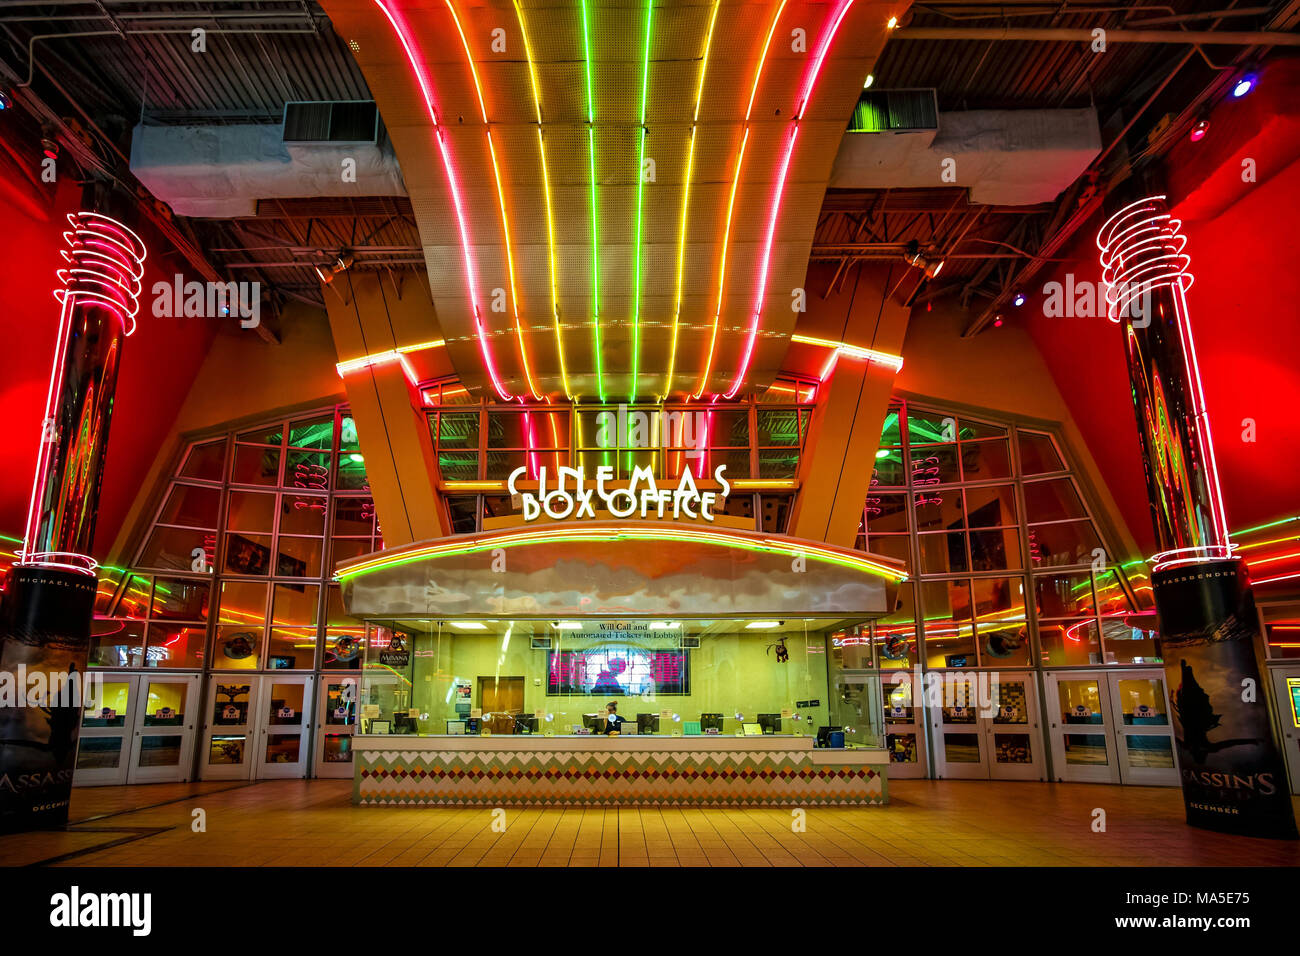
(611, 723)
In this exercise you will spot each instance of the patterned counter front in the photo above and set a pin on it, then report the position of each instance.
(613, 771)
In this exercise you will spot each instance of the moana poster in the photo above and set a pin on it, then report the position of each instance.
(1233, 777)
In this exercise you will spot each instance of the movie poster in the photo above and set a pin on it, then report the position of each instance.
(44, 641)
(1232, 773)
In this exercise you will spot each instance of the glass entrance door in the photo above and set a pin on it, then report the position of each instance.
(1286, 684)
(904, 725)
(162, 742)
(1144, 733)
(107, 722)
(336, 722)
(987, 729)
(257, 727)
(1083, 748)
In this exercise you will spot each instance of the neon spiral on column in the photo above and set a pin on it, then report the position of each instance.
(731, 202)
(1141, 251)
(105, 268)
(686, 200)
(546, 190)
(416, 63)
(810, 81)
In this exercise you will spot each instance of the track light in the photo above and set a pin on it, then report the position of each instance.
(327, 273)
(7, 101)
(1018, 300)
(1244, 85)
(892, 23)
(1199, 130)
(49, 148)
(912, 253)
(997, 322)
(869, 80)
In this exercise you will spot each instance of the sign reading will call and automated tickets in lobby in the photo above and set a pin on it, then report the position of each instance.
(573, 496)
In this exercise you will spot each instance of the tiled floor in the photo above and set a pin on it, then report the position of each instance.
(935, 823)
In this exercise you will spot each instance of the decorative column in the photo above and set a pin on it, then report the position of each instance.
(49, 598)
(1232, 772)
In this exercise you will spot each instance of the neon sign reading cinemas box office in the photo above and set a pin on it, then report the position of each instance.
(641, 497)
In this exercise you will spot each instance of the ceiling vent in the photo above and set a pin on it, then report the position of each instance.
(344, 121)
(895, 111)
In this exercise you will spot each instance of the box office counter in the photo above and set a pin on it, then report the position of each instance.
(591, 770)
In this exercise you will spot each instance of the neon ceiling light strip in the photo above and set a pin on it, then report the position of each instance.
(640, 195)
(810, 83)
(574, 534)
(595, 231)
(501, 201)
(894, 362)
(686, 201)
(546, 190)
(731, 204)
(416, 63)
(379, 358)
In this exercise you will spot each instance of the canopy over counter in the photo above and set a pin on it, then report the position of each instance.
(627, 568)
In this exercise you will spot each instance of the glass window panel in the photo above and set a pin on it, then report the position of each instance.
(991, 506)
(248, 554)
(309, 470)
(243, 602)
(730, 428)
(458, 465)
(298, 557)
(181, 599)
(348, 433)
(250, 511)
(1038, 454)
(891, 546)
(1062, 595)
(508, 429)
(500, 464)
(458, 430)
(255, 466)
(235, 647)
(997, 550)
(99, 753)
(205, 461)
(295, 604)
(176, 645)
(771, 464)
(1111, 597)
(116, 643)
(943, 553)
(229, 704)
(939, 510)
(302, 514)
(165, 703)
(1066, 543)
(291, 648)
(969, 430)
(983, 460)
(1131, 639)
(887, 468)
(1146, 750)
(344, 648)
(266, 435)
(497, 506)
(463, 511)
(135, 599)
(1079, 701)
(354, 517)
(896, 635)
(1085, 749)
(352, 472)
(926, 427)
(191, 505)
(778, 426)
(1142, 702)
(1069, 643)
(313, 433)
(172, 549)
(949, 638)
(226, 749)
(1001, 622)
(885, 513)
(160, 750)
(934, 465)
(891, 433)
(1052, 500)
(1281, 628)
(345, 549)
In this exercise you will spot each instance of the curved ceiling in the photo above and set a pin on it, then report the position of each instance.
(555, 270)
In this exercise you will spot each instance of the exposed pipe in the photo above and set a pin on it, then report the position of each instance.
(1084, 35)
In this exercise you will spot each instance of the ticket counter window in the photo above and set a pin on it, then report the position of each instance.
(671, 677)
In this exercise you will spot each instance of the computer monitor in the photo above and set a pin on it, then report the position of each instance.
(405, 724)
(711, 721)
(590, 721)
(825, 736)
(647, 723)
(456, 727)
(771, 723)
(525, 723)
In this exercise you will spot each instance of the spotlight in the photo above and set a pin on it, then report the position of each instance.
(867, 84)
(997, 322)
(893, 22)
(49, 147)
(912, 253)
(7, 101)
(1244, 85)
(327, 273)
(1199, 130)
(1019, 299)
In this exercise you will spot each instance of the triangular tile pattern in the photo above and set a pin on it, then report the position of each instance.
(611, 778)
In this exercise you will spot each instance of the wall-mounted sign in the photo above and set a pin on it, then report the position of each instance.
(808, 703)
(571, 496)
(396, 655)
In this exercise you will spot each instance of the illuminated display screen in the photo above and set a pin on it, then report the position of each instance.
(618, 671)
(1293, 685)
